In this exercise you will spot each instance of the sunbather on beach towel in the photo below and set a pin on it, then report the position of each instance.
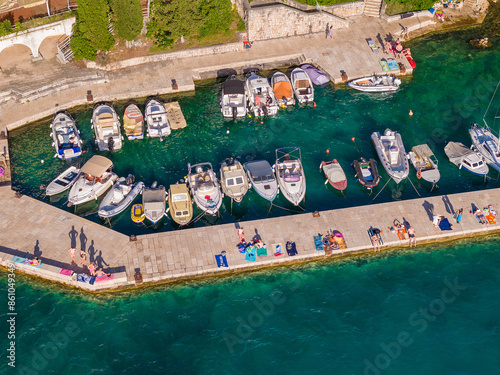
(444, 224)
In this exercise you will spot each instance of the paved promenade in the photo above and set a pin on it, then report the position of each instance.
(30, 227)
(40, 88)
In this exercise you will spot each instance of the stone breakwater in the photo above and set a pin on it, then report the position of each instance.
(191, 253)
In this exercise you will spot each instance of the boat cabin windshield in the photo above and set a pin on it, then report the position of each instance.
(181, 213)
(291, 175)
(234, 181)
(205, 186)
(267, 178)
(179, 197)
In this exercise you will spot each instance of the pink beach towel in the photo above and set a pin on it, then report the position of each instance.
(65, 272)
(104, 278)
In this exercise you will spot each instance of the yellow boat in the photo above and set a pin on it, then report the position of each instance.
(137, 213)
(180, 204)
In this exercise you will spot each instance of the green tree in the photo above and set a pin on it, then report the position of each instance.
(93, 23)
(5, 27)
(127, 18)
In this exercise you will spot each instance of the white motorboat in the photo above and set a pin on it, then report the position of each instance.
(234, 99)
(391, 152)
(66, 136)
(290, 174)
(302, 86)
(465, 158)
(487, 144)
(204, 187)
(233, 179)
(425, 163)
(282, 89)
(260, 96)
(96, 177)
(375, 83)
(157, 120)
(262, 178)
(106, 125)
(63, 182)
(154, 200)
(121, 195)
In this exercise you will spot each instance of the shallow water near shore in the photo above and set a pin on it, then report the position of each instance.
(451, 87)
(431, 310)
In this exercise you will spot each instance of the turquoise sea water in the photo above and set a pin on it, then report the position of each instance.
(433, 310)
(451, 87)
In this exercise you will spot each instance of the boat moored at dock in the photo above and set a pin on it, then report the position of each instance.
(63, 182)
(465, 158)
(375, 83)
(233, 100)
(261, 176)
(121, 195)
(317, 76)
(392, 155)
(157, 120)
(487, 144)
(233, 179)
(133, 122)
(180, 204)
(107, 129)
(282, 89)
(290, 174)
(204, 187)
(425, 163)
(66, 136)
(260, 96)
(335, 174)
(153, 202)
(302, 86)
(366, 172)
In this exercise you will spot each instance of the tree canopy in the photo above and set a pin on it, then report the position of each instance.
(172, 18)
(127, 18)
(93, 23)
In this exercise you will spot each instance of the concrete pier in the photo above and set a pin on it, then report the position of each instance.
(32, 227)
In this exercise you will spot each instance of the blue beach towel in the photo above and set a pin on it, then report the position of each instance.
(250, 254)
(84, 278)
(318, 243)
(445, 224)
(392, 64)
(25, 261)
(221, 260)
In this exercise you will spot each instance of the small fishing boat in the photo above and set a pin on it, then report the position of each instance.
(137, 213)
(234, 99)
(317, 76)
(464, 157)
(106, 125)
(290, 174)
(157, 120)
(180, 204)
(133, 122)
(334, 173)
(63, 182)
(66, 136)
(260, 96)
(408, 56)
(95, 179)
(233, 179)
(375, 83)
(261, 176)
(282, 89)
(391, 152)
(153, 201)
(204, 187)
(425, 163)
(486, 144)
(121, 195)
(302, 86)
(366, 172)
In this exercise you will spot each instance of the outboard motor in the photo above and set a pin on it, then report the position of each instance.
(111, 144)
(264, 110)
(235, 113)
(130, 179)
(284, 100)
(154, 185)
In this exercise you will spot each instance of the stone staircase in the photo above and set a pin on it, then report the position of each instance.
(372, 8)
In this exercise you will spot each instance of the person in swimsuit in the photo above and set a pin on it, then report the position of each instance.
(35, 262)
(83, 257)
(72, 252)
(241, 234)
(100, 273)
(91, 268)
(411, 234)
(376, 242)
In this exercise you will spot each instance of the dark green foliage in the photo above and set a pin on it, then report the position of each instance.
(5, 28)
(127, 18)
(415, 4)
(172, 18)
(80, 45)
(93, 23)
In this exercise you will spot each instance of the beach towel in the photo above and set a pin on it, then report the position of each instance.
(445, 224)
(26, 262)
(262, 251)
(291, 248)
(84, 278)
(241, 248)
(65, 272)
(277, 249)
(392, 64)
(221, 260)
(383, 64)
(250, 254)
(318, 243)
(372, 45)
(490, 218)
(104, 278)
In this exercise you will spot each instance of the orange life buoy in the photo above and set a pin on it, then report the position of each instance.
(90, 177)
(419, 174)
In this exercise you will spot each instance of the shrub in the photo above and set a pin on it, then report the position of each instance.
(127, 18)
(93, 23)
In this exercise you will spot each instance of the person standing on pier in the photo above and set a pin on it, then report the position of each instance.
(72, 253)
(241, 234)
(411, 235)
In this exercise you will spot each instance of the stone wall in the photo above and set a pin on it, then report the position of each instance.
(277, 21)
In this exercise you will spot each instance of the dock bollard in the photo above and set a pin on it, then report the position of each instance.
(138, 277)
(344, 76)
(133, 237)
(174, 85)
(90, 97)
(316, 214)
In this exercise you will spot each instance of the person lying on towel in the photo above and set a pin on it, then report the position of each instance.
(444, 224)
